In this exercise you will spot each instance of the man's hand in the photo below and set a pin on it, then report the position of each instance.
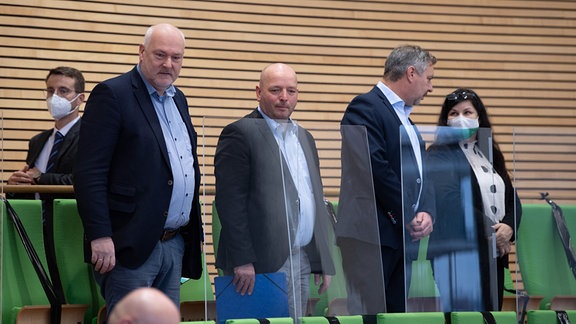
(103, 256)
(244, 279)
(21, 177)
(421, 226)
(323, 286)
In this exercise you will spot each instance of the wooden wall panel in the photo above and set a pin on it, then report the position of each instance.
(520, 56)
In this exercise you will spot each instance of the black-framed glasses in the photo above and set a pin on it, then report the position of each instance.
(61, 92)
(460, 95)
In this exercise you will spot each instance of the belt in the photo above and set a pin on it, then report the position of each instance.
(168, 234)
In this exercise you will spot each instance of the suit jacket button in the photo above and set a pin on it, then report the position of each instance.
(165, 213)
(418, 180)
(170, 182)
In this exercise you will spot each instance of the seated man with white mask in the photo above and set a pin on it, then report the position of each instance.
(51, 153)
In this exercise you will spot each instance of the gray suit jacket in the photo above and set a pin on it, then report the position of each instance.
(253, 205)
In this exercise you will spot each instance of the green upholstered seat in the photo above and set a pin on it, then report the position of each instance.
(354, 319)
(76, 275)
(19, 282)
(547, 316)
(543, 263)
(411, 318)
(277, 320)
(477, 318)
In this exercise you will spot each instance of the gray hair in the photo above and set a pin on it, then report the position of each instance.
(403, 57)
(153, 28)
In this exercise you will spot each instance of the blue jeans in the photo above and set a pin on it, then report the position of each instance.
(162, 270)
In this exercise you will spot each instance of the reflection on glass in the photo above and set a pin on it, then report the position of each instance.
(456, 269)
(357, 229)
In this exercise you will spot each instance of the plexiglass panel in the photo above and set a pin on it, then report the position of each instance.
(313, 226)
(357, 227)
(544, 160)
(454, 268)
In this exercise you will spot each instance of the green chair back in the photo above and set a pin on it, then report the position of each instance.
(19, 284)
(76, 275)
(543, 263)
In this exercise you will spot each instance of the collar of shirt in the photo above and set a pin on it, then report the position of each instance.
(64, 130)
(276, 127)
(170, 91)
(396, 102)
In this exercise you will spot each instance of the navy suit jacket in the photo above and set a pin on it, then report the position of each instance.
(123, 180)
(62, 173)
(252, 202)
(393, 166)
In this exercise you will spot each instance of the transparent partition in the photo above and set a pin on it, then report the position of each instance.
(544, 175)
(455, 267)
(358, 227)
(297, 203)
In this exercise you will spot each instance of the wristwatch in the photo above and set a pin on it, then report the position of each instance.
(36, 178)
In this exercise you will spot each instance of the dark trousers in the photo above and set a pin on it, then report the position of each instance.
(374, 277)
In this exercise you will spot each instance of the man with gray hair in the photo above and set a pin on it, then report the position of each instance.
(137, 176)
(397, 181)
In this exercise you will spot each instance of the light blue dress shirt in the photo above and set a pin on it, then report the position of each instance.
(286, 135)
(180, 154)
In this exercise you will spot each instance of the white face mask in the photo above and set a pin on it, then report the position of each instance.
(60, 107)
(464, 122)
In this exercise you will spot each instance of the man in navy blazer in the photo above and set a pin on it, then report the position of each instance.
(137, 175)
(397, 177)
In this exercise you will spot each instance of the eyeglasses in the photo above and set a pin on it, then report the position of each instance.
(460, 96)
(61, 92)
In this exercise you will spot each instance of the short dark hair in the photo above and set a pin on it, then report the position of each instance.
(70, 72)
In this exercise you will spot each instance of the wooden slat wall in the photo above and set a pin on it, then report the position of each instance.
(519, 55)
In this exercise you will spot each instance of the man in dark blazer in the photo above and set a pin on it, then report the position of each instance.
(137, 175)
(65, 86)
(268, 185)
(397, 176)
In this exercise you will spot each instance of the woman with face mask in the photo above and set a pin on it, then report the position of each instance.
(477, 207)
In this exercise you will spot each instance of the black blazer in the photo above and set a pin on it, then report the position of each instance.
(251, 202)
(393, 165)
(123, 179)
(62, 174)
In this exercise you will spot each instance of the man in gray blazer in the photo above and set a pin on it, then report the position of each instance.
(269, 194)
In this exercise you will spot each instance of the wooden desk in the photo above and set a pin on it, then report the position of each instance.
(37, 188)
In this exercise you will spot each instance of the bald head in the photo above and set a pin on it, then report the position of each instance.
(277, 91)
(145, 306)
